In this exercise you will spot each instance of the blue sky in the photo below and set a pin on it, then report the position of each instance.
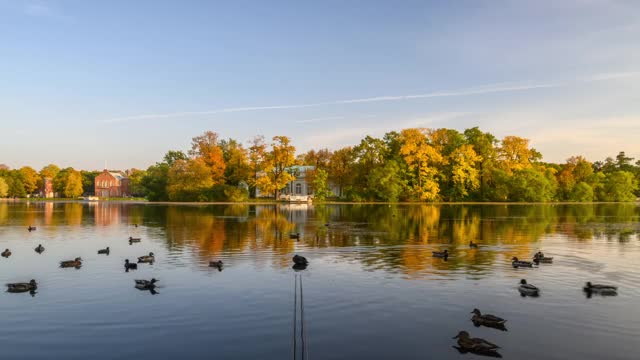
(84, 82)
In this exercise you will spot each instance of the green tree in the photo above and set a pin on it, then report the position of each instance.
(386, 182)
(88, 181)
(484, 144)
(581, 192)
(136, 185)
(618, 186)
(188, 180)
(321, 185)
(73, 186)
(154, 182)
(529, 184)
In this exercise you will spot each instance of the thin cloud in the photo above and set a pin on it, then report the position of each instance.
(495, 88)
(321, 119)
(613, 76)
(40, 9)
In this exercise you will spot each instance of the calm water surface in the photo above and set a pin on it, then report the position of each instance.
(372, 291)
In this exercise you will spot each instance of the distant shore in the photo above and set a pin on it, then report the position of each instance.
(273, 202)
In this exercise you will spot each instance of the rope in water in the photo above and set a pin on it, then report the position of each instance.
(295, 313)
(305, 354)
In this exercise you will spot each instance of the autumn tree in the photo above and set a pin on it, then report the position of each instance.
(514, 154)
(422, 159)
(73, 184)
(237, 164)
(256, 162)
(206, 147)
(465, 176)
(30, 179)
(340, 168)
(275, 175)
(4, 188)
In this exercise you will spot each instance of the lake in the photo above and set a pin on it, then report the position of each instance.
(372, 289)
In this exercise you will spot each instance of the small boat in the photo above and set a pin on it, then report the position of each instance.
(473, 245)
(146, 284)
(39, 249)
(22, 287)
(104, 251)
(147, 258)
(440, 254)
(216, 264)
(6, 253)
(528, 289)
(31, 228)
(519, 263)
(76, 263)
(599, 289)
(300, 260)
(130, 266)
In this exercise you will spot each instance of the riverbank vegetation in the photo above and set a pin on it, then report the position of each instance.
(417, 164)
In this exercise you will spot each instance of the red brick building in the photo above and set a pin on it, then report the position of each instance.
(47, 188)
(111, 184)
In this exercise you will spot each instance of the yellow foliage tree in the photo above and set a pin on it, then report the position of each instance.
(207, 148)
(422, 158)
(275, 176)
(514, 154)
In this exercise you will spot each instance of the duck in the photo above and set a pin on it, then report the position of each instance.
(300, 260)
(76, 263)
(440, 254)
(39, 249)
(147, 258)
(6, 253)
(473, 245)
(528, 289)
(130, 266)
(540, 258)
(31, 228)
(605, 290)
(104, 251)
(22, 287)
(294, 236)
(135, 225)
(482, 319)
(132, 239)
(475, 345)
(146, 284)
(216, 264)
(519, 263)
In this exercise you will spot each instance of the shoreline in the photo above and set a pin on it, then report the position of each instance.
(273, 202)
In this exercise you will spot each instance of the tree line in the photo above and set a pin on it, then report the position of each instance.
(416, 164)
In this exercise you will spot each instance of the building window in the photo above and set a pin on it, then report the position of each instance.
(298, 189)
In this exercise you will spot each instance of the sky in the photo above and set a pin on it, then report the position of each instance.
(122, 82)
